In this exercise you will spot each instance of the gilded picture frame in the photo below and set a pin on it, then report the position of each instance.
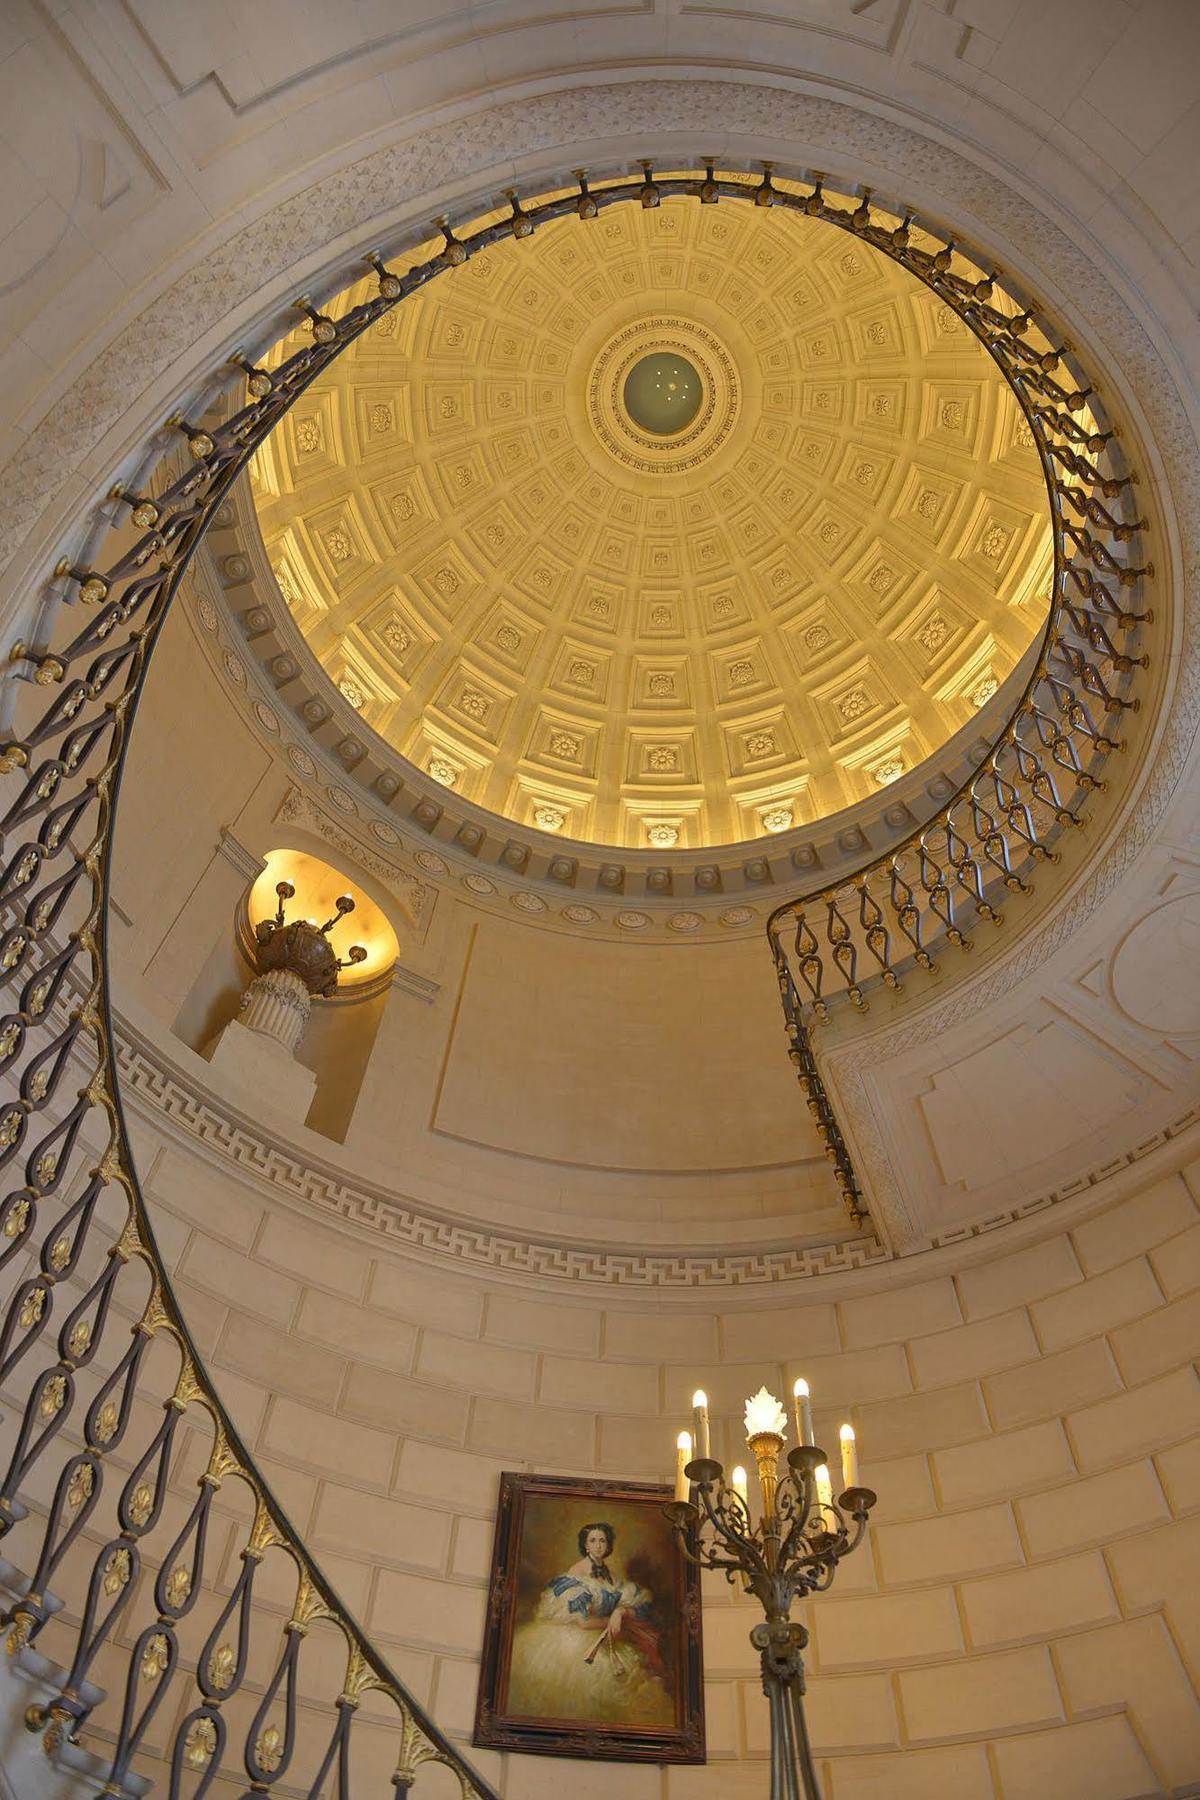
(592, 1645)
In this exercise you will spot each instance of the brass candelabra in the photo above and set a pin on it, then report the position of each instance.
(793, 1549)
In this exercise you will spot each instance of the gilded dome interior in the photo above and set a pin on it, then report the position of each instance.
(656, 616)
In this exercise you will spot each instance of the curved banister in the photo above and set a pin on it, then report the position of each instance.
(55, 868)
(894, 913)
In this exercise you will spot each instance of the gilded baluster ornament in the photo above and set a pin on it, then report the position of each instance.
(15, 1218)
(200, 1743)
(140, 1504)
(80, 1485)
(117, 1571)
(221, 1666)
(268, 1749)
(31, 1308)
(106, 1422)
(178, 1586)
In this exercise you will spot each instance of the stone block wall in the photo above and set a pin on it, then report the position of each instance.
(1019, 1624)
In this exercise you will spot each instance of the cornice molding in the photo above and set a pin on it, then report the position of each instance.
(151, 1082)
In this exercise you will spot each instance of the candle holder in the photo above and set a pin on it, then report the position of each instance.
(794, 1549)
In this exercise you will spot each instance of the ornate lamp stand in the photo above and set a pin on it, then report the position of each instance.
(293, 964)
(794, 1549)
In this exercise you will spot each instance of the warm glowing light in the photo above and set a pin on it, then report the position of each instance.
(824, 1486)
(738, 1479)
(700, 1423)
(764, 1414)
(802, 1408)
(318, 888)
(849, 1458)
(683, 1456)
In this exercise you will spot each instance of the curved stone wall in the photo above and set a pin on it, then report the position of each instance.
(1027, 1408)
(1019, 1624)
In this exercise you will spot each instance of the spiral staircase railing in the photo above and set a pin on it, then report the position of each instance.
(103, 1380)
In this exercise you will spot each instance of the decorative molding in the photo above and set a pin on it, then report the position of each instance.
(248, 865)
(416, 897)
(149, 1080)
(470, 839)
(421, 987)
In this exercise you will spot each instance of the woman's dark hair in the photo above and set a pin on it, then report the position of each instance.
(585, 1532)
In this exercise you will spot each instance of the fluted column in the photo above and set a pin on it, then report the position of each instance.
(277, 1005)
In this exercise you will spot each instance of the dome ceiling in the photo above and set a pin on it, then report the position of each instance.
(660, 615)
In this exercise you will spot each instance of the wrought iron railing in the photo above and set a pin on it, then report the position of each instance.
(900, 911)
(108, 1394)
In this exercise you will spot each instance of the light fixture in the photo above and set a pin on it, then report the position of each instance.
(302, 947)
(792, 1549)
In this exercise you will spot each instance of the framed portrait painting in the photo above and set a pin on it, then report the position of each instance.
(592, 1643)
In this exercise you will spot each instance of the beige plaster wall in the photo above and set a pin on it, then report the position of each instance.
(1022, 1621)
(632, 1091)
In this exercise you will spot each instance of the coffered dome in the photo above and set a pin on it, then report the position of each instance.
(675, 527)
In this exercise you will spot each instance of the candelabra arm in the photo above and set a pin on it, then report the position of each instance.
(796, 1496)
(685, 1517)
(749, 1556)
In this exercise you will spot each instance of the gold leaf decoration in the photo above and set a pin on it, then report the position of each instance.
(80, 1338)
(31, 1308)
(268, 1749)
(117, 1570)
(221, 1665)
(14, 1222)
(106, 1421)
(141, 1504)
(60, 1249)
(154, 1657)
(80, 1485)
(179, 1586)
(53, 1395)
(199, 1744)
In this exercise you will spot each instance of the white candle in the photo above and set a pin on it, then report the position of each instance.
(824, 1486)
(849, 1458)
(804, 1418)
(738, 1480)
(683, 1456)
(700, 1423)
